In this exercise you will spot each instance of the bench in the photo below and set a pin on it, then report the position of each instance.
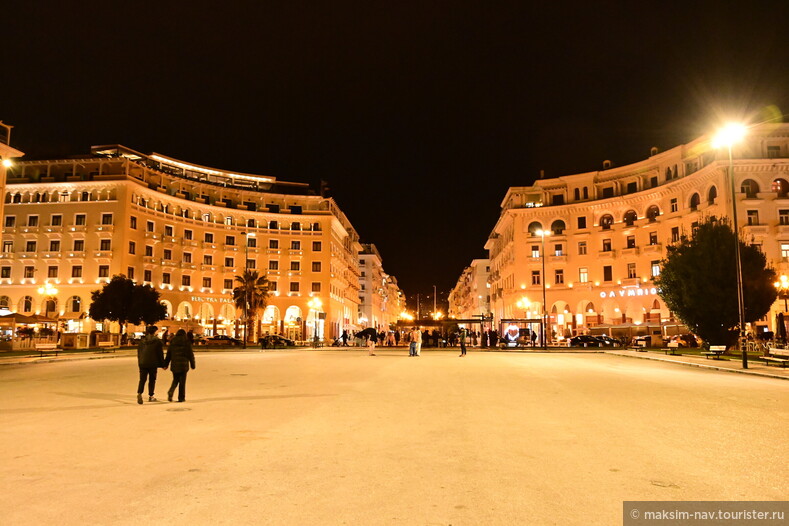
(671, 348)
(777, 356)
(106, 346)
(715, 351)
(44, 347)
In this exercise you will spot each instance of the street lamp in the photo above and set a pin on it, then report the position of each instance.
(783, 290)
(727, 137)
(247, 291)
(543, 234)
(315, 305)
(48, 291)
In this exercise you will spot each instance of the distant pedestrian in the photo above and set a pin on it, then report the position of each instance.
(371, 339)
(462, 343)
(190, 336)
(418, 348)
(180, 357)
(166, 336)
(397, 338)
(533, 338)
(150, 356)
(344, 338)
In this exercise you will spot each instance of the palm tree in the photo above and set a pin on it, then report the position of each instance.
(251, 296)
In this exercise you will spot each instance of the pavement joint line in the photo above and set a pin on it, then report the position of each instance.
(700, 365)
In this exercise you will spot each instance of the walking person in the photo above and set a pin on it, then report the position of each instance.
(418, 347)
(371, 339)
(462, 343)
(150, 356)
(180, 357)
(344, 338)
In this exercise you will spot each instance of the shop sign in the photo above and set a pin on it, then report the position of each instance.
(211, 300)
(622, 293)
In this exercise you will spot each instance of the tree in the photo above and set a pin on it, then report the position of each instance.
(252, 291)
(124, 301)
(698, 282)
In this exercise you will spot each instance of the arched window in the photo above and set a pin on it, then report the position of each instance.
(656, 305)
(26, 304)
(17, 198)
(606, 221)
(316, 227)
(590, 307)
(74, 304)
(295, 225)
(5, 302)
(250, 224)
(630, 217)
(577, 194)
(50, 307)
(273, 225)
(668, 174)
(534, 226)
(652, 213)
(712, 195)
(694, 201)
(557, 227)
(781, 187)
(750, 188)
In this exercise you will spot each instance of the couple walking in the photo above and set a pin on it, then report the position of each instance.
(415, 347)
(150, 356)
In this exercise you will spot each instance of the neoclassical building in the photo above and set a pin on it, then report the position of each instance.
(605, 232)
(381, 300)
(470, 297)
(186, 230)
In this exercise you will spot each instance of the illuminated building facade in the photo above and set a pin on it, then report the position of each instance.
(609, 230)
(184, 229)
(379, 295)
(470, 297)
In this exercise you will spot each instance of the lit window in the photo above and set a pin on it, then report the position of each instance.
(583, 275)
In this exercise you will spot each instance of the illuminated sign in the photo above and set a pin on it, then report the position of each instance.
(622, 293)
(211, 300)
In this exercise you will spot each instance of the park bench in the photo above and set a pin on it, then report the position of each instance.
(777, 356)
(671, 348)
(106, 346)
(715, 351)
(45, 347)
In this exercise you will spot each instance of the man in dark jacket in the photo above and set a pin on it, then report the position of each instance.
(150, 356)
(180, 357)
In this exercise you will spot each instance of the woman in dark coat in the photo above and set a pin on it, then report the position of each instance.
(179, 357)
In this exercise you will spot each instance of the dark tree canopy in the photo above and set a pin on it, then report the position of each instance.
(698, 282)
(124, 301)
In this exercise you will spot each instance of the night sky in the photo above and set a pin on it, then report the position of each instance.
(419, 114)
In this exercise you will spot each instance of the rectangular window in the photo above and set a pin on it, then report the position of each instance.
(230, 262)
(166, 278)
(653, 238)
(316, 266)
(753, 217)
(106, 219)
(79, 220)
(785, 250)
(54, 246)
(206, 283)
(149, 251)
(230, 240)
(228, 284)
(273, 265)
(167, 254)
(294, 286)
(29, 272)
(558, 250)
(581, 222)
(295, 245)
(252, 242)
(186, 281)
(674, 205)
(316, 246)
(558, 276)
(582, 248)
(631, 270)
(168, 230)
(132, 247)
(608, 192)
(187, 257)
(104, 271)
(608, 274)
(147, 275)
(655, 268)
(535, 277)
(208, 260)
(606, 245)
(188, 235)
(130, 272)
(535, 251)
(8, 246)
(10, 221)
(149, 226)
(632, 187)
(783, 217)
(583, 275)
(209, 237)
(273, 244)
(653, 182)
(105, 245)
(56, 220)
(76, 271)
(251, 263)
(5, 272)
(30, 246)
(32, 220)
(295, 266)
(674, 234)
(79, 245)
(773, 152)
(133, 222)
(52, 272)
(631, 241)
(316, 287)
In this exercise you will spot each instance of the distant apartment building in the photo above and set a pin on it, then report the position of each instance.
(381, 300)
(186, 230)
(470, 296)
(607, 231)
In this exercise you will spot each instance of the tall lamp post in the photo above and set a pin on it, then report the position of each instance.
(48, 291)
(543, 234)
(246, 235)
(783, 290)
(727, 137)
(315, 305)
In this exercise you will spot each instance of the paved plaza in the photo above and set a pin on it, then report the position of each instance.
(338, 437)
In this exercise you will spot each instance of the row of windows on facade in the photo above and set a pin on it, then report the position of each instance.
(150, 226)
(607, 246)
(583, 274)
(73, 304)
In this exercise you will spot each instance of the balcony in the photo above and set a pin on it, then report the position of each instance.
(189, 242)
(205, 244)
(150, 260)
(756, 229)
(557, 259)
(606, 254)
(212, 268)
(53, 229)
(657, 248)
(633, 251)
(105, 228)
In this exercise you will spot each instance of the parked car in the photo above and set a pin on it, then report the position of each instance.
(222, 339)
(607, 341)
(273, 341)
(585, 340)
(198, 339)
(684, 340)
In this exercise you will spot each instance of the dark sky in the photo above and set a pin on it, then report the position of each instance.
(419, 114)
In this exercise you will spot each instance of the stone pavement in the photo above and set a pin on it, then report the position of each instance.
(734, 366)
